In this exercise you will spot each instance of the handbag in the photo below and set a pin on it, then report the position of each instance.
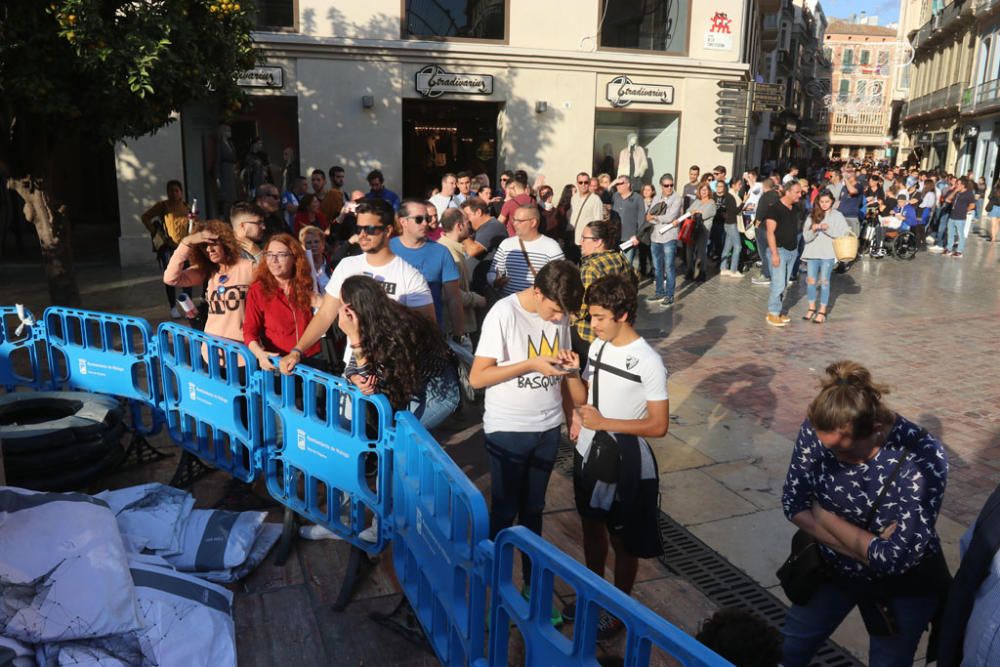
(686, 233)
(604, 457)
(805, 569)
(845, 248)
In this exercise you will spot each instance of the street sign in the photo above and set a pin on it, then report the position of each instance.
(732, 94)
(776, 108)
(732, 130)
(769, 89)
(729, 111)
(740, 85)
(728, 141)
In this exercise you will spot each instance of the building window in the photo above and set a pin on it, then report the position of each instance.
(860, 88)
(648, 25)
(845, 90)
(848, 58)
(462, 19)
(865, 57)
(274, 15)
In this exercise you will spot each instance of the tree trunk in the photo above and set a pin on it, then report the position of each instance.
(55, 237)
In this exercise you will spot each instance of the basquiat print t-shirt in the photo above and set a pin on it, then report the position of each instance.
(531, 402)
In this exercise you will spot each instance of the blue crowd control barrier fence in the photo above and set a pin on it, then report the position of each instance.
(211, 398)
(440, 522)
(545, 645)
(320, 433)
(11, 343)
(106, 354)
(312, 435)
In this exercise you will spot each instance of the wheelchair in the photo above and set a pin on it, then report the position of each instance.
(899, 243)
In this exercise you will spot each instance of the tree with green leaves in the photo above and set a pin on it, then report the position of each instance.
(102, 71)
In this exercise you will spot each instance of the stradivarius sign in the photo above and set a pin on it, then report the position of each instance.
(622, 91)
(433, 81)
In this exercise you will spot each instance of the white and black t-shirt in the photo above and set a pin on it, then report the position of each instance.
(510, 260)
(631, 375)
(530, 403)
(401, 281)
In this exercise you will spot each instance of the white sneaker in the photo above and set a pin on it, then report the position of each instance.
(316, 532)
(175, 314)
(370, 534)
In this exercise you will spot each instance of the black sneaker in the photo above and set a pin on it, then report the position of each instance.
(668, 301)
(608, 627)
(654, 297)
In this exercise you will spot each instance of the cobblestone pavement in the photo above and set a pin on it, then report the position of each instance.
(739, 388)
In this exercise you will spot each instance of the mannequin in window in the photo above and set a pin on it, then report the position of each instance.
(632, 159)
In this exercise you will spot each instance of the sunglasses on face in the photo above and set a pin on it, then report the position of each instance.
(667, 185)
(582, 182)
(419, 219)
(371, 230)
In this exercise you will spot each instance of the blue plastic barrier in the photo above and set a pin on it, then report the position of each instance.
(317, 440)
(211, 398)
(105, 354)
(10, 343)
(545, 645)
(440, 546)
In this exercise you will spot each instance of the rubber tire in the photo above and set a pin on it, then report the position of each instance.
(72, 480)
(62, 430)
(68, 457)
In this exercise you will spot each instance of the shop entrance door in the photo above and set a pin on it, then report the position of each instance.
(445, 135)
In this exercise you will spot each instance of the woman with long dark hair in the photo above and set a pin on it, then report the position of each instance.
(866, 484)
(213, 255)
(279, 302)
(397, 352)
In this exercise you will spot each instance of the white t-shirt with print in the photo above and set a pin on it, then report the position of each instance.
(530, 403)
(401, 281)
(631, 375)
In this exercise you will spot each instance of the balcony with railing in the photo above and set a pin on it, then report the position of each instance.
(952, 17)
(981, 98)
(871, 125)
(941, 100)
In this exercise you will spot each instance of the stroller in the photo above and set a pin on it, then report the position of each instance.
(748, 245)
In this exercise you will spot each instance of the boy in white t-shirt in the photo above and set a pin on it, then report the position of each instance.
(523, 358)
(623, 392)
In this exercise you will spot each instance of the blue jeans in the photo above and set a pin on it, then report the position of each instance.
(732, 245)
(818, 271)
(956, 232)
(798, 257)
(765, 266)
(664, 255)
(779, 278)
(438, 399)
(806, 627)
(520, 467)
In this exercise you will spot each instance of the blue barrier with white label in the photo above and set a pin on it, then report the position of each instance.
(320, 434)
(11, 342)
(106, 354)
(545, 645)
(440, 528)
(211, 398)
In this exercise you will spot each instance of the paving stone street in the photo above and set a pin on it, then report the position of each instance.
(738, 391)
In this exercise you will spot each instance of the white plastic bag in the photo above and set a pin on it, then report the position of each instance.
(15, 654)
(63, 568)
(150, 516)
(266, 539)
(216, 540)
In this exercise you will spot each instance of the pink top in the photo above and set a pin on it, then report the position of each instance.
(226, 293)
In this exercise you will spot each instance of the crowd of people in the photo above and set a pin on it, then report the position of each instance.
(542, 294)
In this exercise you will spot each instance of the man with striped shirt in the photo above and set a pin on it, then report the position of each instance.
(518, 259)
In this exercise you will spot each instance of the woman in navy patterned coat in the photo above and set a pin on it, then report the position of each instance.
(883, 555)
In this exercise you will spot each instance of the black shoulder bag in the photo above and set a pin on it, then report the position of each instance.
(805, 569)
(603, 459)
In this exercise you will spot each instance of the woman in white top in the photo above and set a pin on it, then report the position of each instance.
(824, 224)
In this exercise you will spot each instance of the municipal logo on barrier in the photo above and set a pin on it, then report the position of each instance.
(83, 366)
(300, 439)
(192, 391)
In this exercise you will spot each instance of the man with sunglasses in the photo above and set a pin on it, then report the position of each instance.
(431, 259)
(402, 282)
(584, 208)
(662, 215)
(268, 200)
(248, 227)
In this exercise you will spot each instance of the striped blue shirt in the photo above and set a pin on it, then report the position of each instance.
(510, 260)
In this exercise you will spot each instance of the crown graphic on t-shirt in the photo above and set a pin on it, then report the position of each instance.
(546, 349)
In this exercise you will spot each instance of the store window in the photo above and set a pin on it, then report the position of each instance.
(460, 19)
(274, 15)
(640, 145)
(647, 25)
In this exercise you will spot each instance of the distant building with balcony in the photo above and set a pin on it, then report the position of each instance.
(857, 109)
(944, 52)
(979, 107)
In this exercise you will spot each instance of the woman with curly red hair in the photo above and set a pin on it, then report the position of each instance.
(280, 301)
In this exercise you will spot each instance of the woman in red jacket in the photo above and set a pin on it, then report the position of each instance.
(280, 302)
